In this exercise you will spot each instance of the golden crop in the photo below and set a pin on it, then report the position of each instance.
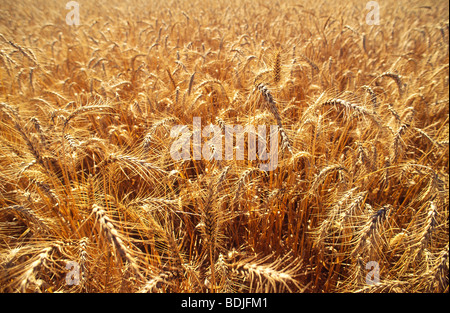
(86, 172)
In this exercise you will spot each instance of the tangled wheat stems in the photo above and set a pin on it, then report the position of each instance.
(87, 176)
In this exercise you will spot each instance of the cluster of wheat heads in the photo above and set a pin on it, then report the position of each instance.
(86, 173)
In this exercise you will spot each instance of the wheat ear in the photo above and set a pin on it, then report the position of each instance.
(285, 142)
(115, 239)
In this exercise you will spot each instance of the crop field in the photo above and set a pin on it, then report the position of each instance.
(211, 146)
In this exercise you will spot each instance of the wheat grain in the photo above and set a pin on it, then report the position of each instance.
(114, 238)
(285, 142)
(86, 172)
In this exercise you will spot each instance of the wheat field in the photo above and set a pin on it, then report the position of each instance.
(92, 200)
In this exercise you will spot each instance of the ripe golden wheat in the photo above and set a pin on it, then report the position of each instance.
(86, 173)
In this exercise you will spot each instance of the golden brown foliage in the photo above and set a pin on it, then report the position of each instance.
(86, 173)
